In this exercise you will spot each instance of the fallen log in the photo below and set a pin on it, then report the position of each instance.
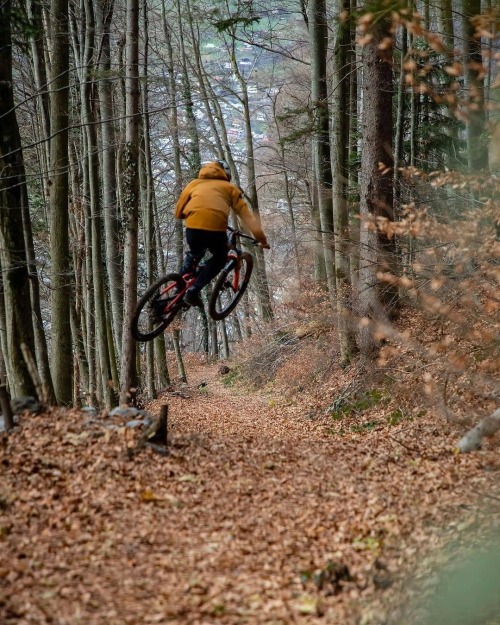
(486, 427)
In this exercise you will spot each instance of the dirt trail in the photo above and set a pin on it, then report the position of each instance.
(237, 525)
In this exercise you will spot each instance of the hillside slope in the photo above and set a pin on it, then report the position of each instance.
(261, 513)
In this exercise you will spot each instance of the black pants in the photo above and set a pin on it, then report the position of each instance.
(199, 241)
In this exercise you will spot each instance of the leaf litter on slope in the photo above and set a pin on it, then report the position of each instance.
(236, 525)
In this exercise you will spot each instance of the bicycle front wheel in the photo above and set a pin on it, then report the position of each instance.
(158, 307)
(230, 286)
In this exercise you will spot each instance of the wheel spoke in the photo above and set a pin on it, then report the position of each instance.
(157, 308)
(230, 288)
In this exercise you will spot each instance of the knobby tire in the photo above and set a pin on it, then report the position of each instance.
(225, 297)
(149, 320)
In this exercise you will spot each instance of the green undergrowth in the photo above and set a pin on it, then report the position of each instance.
(365, 411)
(232, 377)
(347, 406)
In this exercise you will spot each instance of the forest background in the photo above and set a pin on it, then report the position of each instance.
(366, 138)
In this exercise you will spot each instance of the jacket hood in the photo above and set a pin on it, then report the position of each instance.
(212, 170)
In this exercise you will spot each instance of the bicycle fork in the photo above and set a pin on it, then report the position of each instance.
(233, 264)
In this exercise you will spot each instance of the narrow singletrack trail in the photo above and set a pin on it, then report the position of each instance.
(236, 525)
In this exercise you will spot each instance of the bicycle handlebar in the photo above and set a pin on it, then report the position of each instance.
(242, 234)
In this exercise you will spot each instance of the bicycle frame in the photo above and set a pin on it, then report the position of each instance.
(234, 255)
(189, 280)
(233, 260)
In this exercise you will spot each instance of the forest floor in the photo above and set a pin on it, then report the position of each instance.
(264, 511)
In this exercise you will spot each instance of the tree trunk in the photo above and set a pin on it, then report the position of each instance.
(130, 202)
(61, 352)
(400, 116)
(318, 36)
(5, 374)
(262, 284)
(147, 200)
(174, 120)
(340, 173)
(200, 74)
(34, 13)
(353, 145)
(160, 341)
(41, 350)
(97, 262)
(477, 148)
(193, 156)
(225, 338)
(176, 338)
(81, 358)
(114, 256)
(14, 264)
(445, 23)
(377, 251)
(175, 133)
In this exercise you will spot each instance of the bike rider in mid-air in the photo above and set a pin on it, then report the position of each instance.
(205, 205)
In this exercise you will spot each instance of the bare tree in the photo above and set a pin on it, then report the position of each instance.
(130, 201)
(318, 36)
(13, 264)
(61, 342)
(114, 255)
(377, 251)
(477, 148)
(340, 174)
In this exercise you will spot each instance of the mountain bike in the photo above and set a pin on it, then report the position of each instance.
(163, 301)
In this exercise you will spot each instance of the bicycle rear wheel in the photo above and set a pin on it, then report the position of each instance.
(158, 307)
(230, 286)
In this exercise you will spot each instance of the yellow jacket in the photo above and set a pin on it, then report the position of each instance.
(205, 203)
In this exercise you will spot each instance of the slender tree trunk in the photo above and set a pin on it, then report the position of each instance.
(97, 262)
(353, 145)
(147, 202)
(176, 339)
(175, 133)
(318, 36)
(61, 352)
(477, 148)
(193, 156)
(288, 191)
(5, 373)
(377, 251)
(41, 350)
(88, 298)
(400, 116)
(160, 341)
(81, 358)
(34, 13)
(200, 73)
(130, 201)
(225, 338)
(264, 300)
(40, 63)
(340, 173)
(413, 111)
(174, 119)
(114, 256)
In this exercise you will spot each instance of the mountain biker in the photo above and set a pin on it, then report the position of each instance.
(205, 205)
